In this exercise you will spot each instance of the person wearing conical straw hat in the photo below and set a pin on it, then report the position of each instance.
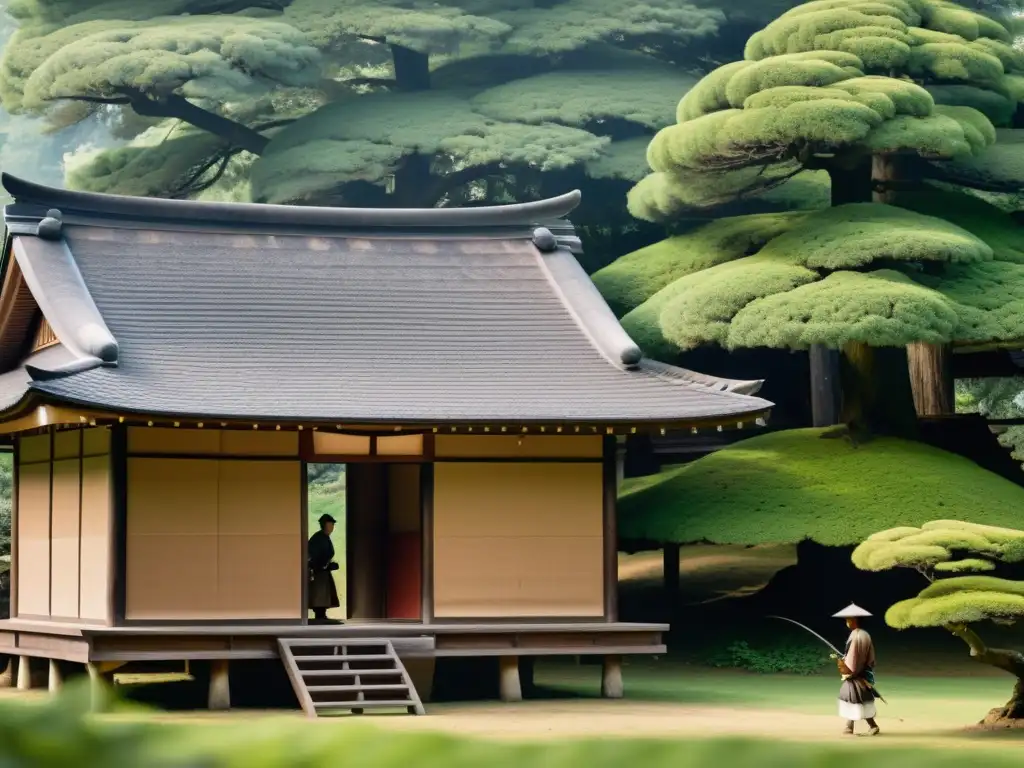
(857, 693)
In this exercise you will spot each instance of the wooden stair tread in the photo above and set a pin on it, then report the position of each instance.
(369, 704)
(339, 657)
(348, 672)
(354, 688)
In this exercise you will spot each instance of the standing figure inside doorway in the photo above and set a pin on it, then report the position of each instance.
(857, 693)
(323, 594)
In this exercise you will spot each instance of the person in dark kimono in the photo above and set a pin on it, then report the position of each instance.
(323, 594)
(857, 668)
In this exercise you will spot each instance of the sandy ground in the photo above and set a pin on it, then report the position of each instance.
(539, 721)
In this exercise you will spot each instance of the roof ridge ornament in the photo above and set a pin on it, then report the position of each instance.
(50, 226)
(545, 241)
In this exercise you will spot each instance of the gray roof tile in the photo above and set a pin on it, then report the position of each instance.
(416, 328)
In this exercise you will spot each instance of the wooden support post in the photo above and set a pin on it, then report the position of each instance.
(7, 676)
(220, 686)
(511, 689)
(96, 687)
(611, 678)
(55, 680)
(24, 673)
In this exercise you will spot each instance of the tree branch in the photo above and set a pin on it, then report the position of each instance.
(1008, 661)
(175, 106)
(451, 181)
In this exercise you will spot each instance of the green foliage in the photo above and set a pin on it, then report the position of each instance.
(949, 546)
(629, 281)
(997, 107)
(494, 97)
(866, 234)
(890, 310)
(995, 398)
(960, 600)
(364, 140)
(206, 56)
(838, 275)
(675, 193)
(969, 565)
(983, 220)
(579, 98)
(829, 80)
(59, 733)
(786, 658)
(810, 484)
(1000, 168)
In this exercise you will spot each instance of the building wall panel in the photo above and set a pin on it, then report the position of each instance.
(65, 529)
(516, 540)
(259, 534)
(214, 539)
(95, 586)
(33, 532)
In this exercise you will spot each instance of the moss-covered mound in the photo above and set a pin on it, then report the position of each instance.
(802, 484)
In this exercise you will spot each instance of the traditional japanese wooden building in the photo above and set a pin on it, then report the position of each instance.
(169, 368)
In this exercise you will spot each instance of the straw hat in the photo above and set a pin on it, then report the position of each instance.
(852, 611)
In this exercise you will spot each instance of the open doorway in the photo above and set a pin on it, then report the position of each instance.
(326, 487)
(377, 537)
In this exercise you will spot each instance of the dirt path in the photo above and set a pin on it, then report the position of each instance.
(542, 720)
(533, 721)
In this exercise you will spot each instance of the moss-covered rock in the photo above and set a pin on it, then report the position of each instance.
(805, 484)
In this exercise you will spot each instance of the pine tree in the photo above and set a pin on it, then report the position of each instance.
(950, 554)
(368, 102)
(881, 95)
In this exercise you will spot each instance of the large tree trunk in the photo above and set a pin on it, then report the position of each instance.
(412, 179)
(825, 394)
(891, 174)
(851, 181)
(1008, 661)
(876, 390)
(412, 68)
(931, 378)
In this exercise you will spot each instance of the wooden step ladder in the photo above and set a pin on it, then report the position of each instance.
(332, 674)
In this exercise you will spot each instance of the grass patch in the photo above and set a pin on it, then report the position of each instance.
(952, 702)
(791, 485)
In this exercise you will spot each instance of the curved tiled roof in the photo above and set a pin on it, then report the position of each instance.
(412, 317)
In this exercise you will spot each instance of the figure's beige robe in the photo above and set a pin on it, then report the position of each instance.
(856, 697)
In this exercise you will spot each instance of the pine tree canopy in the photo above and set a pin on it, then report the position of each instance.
(361, 102)
(864, 272)
(834, 79)
(944, 547)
